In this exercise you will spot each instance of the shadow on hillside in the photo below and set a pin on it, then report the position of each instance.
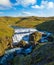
(46, 26)
(20, 20)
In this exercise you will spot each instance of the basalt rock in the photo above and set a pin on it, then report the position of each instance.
(50, 38)
(22, 43)
(35, 37)
(41, 55)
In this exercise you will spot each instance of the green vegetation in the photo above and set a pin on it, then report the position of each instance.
(46, 26)
(35, 37)
(41, 55)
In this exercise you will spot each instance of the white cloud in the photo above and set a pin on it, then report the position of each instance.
(25, 2)
(6, 3)
(27, 13)
(50, 5)
(44, 4)
(38, 7)
(4, 8)
(47, 4)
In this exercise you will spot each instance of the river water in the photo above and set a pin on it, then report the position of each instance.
(20, 34)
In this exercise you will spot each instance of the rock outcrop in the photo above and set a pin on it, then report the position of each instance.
(41, 55)
(5, 43)
(22, 43)
(35, 37)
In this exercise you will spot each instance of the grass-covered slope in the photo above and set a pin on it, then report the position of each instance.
(43, 54)
(38, 22)
(46, 26)
(6, 31)
(32, 21)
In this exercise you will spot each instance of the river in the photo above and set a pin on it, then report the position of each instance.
(20, 34)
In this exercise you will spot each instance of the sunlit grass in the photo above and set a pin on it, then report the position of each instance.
(7, 22)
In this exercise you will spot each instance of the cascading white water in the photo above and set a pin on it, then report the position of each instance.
(17, 37)
(20, 33)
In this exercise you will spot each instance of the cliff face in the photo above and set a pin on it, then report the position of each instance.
(43, 54)
(35, 37)
(46, 53)
(22, 43)
(5, 43)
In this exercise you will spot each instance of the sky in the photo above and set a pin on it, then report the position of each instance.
(17, 8)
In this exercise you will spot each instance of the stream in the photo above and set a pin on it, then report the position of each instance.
(21, 34)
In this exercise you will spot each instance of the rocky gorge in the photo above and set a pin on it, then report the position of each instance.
(24, 41)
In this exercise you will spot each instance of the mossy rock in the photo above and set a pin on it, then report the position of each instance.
(35, 37)
(18, 60)
(22, 60)
(41, 55)
(22, 43)
(5, 43)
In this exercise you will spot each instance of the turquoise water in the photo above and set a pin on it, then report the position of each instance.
(10, 54)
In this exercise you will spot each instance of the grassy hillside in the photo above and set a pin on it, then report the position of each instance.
(38, 22)
(46, 26)
(6, 31)
(43, 54)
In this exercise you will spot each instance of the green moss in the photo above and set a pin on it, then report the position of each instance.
(35, 37)
(38, 22)
(50, 63)
(42, 55)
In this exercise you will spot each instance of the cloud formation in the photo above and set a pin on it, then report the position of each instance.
(6, 3)
(50, 5)
(38, 7)
(25, 2)
(26, 13)
(44, 4)
(27, 7)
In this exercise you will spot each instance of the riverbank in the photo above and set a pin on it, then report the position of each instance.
(40, 23)
(22, 50)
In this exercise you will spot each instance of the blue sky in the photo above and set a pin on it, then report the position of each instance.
(17, 8)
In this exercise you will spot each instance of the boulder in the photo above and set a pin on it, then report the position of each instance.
(50, 38)
(35, 37)
(22, 43)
